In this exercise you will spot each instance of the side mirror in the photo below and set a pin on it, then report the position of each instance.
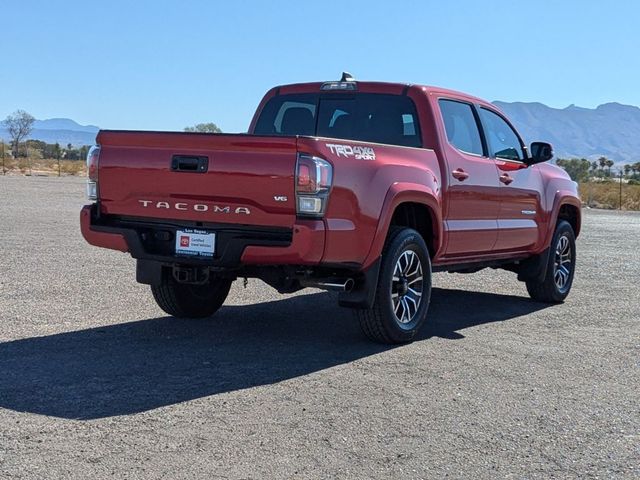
(540, 152)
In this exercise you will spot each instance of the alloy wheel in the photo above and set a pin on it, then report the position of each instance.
(407, 287)
(563, 264)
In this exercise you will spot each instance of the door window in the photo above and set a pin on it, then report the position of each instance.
(502, 139)
(461, 126)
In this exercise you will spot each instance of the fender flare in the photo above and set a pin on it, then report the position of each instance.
(405, 192)
(561, 198)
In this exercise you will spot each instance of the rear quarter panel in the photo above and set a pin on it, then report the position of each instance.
(364, 189)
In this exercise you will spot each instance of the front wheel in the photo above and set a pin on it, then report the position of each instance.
(557, 282)
(403, 291)
(185, 300)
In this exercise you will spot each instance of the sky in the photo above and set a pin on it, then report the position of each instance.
(164, 65)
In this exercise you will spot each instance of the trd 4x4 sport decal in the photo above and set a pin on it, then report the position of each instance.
(359, 153)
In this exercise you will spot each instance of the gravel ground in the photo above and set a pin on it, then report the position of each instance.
(96, 382)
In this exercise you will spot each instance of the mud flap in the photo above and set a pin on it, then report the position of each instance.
(364, 292)
(534, 268)
(148, 272)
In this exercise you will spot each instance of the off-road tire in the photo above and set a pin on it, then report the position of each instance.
(548, 290)
(184, 300)
(380, 323)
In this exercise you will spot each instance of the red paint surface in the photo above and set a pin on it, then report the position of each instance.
(475, 214)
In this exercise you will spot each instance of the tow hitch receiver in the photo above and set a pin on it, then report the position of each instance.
(196, 275)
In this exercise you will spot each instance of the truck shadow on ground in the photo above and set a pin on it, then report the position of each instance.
(137, 366)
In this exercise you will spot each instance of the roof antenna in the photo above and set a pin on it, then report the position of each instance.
(347, 77)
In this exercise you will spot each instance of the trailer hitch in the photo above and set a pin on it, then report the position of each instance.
(194, 275)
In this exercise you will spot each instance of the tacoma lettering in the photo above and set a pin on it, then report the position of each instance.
(198, 207)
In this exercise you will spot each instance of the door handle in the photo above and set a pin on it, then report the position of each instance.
(506, 179)
(460, 174)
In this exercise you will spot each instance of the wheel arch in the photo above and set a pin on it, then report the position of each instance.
(566, 206)
(409, 205)
(570, 213)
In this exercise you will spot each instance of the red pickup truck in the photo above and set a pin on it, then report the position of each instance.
(361, 187)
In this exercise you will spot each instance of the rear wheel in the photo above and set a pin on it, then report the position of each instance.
(403, 291)
(185, 300)
(557, 282)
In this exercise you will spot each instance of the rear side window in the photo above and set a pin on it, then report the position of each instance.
(389, 119)
(288, 115)
(461, 126)
(502, 139)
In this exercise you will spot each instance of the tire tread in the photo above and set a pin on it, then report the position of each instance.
(372, 320)
(546, 291)
(169, 299)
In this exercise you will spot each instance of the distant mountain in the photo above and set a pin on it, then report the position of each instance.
(63, 124)
(61, 130)
(611, 130)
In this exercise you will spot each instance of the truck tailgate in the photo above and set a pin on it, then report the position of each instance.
(246, 179)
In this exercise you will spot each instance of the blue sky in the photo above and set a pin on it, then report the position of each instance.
(168, 64)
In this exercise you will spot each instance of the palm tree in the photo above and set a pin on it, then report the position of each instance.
(609, 165)
(602, 161)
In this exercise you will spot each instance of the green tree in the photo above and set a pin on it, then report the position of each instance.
(602, 161)
(2, 154)
(577, 168)
(19, 124)
(609, 165)
(37, 146)
(204, 128)
(84, 150)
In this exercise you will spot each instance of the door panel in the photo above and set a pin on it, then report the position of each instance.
(472, 193)
(473, 204)
(520, 185)
(519, 215)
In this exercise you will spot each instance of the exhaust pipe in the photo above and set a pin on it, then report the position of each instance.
(333, 284)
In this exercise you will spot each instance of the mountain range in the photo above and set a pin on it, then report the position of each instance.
(61, 130)
(611, 130)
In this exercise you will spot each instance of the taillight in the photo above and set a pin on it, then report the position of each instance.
(92, 172)
(314, 177)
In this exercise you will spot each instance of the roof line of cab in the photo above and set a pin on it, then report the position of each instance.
(375, 87)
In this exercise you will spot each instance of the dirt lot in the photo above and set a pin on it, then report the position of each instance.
(96, 382)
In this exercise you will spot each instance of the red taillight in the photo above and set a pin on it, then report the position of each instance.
(93, 158)
(313, 181)
(304, 176)
(92, 163)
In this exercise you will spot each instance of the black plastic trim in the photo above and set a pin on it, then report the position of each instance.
(150, 239)
(364, 292)
(475, 266)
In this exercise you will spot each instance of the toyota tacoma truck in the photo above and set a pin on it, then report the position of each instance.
(365, 188)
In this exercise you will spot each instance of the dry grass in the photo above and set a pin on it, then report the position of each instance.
(607, 195)
(44, 167)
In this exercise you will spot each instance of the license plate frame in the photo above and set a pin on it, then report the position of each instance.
(191, 242)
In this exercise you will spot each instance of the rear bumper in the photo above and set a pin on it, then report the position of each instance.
(112, 240)
(237, 245)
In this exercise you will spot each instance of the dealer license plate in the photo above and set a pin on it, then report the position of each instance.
(195, 243)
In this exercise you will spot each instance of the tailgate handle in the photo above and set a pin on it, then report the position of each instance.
(189, 164)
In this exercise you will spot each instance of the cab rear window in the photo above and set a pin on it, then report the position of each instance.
(367, 117)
